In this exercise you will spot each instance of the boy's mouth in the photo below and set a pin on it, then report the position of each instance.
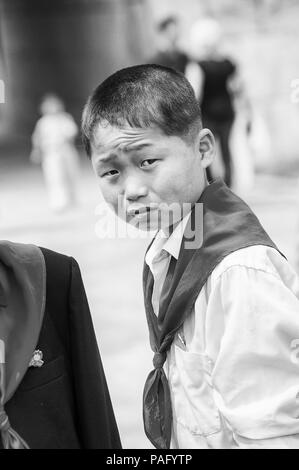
(133, 211)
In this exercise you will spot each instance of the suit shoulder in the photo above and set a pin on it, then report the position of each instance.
(54, 256)
(58, 269)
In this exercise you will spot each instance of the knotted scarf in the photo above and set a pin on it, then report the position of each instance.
(22, 304)
(228, 225)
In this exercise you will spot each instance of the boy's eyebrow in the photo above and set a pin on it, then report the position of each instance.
(126, 148)
(107, 158)
(137, 147)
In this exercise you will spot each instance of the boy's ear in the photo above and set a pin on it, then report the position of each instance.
(207, 147)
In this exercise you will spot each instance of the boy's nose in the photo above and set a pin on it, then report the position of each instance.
(134, 189)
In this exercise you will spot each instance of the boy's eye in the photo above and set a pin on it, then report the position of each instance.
(110, 173)
(149, 162)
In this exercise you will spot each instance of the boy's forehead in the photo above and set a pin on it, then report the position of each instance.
(107, 137)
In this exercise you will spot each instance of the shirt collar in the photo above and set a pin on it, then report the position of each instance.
(165, 245)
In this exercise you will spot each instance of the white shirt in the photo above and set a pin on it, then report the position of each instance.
(232, 369)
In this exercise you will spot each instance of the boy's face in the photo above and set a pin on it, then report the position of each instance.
(143, 171)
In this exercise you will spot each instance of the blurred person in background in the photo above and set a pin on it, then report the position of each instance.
(53, 390)
(53, 147)
(169, 53)
(213, 77)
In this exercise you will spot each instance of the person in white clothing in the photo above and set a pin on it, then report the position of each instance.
(221, 300)
(53, 147)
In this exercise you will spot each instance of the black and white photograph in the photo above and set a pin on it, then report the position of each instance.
(149, 227)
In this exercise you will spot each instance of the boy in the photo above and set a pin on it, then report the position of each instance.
(223, 312)
(53, 391)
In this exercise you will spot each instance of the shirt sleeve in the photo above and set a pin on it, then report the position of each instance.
(256, 371)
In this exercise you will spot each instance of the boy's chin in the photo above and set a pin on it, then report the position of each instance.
(145, 226)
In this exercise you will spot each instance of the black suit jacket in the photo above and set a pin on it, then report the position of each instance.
(65, 404)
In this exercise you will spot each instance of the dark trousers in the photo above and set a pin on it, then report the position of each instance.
(221, 131)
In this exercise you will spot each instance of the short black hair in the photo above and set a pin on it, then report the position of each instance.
(143, 96)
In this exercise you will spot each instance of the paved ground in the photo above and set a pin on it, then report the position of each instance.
(111, 269)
